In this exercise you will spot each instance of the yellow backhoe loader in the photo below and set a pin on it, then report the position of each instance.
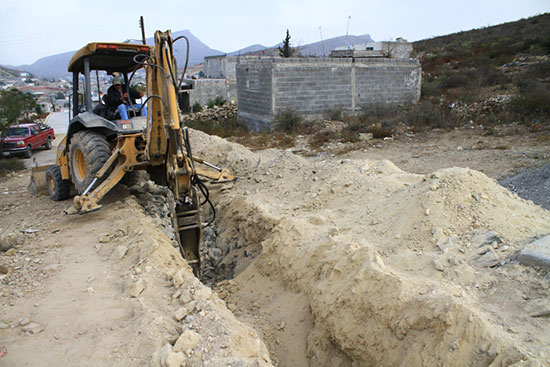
(101, 149)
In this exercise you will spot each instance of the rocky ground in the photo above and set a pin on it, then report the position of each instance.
(394, 253)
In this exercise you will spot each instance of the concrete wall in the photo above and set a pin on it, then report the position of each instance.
(223, 67)
(254, 92)
(315, 86)
(399, 50)
(215, 67)
(205, 90)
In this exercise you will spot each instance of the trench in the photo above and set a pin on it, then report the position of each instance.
(281, 317)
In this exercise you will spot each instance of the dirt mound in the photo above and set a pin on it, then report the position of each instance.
(395, 268)
(107, 288)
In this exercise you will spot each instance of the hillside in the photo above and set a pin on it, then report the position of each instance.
(509, 63)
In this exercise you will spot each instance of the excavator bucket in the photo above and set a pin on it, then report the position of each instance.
(37, 183)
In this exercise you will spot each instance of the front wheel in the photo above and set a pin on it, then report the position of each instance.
(58, 188)
(28, 152)
(88, 152)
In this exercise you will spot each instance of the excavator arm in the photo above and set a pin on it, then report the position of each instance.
(167, 150)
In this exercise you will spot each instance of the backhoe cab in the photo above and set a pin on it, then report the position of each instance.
(100, 149)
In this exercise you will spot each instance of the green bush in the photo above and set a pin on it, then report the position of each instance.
(11, 165)
(287, 120)
(196, 107)
(211, 103)
(219, 101)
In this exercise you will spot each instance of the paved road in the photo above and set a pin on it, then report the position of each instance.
(59, 121)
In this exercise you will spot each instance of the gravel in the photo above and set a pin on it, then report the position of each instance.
(531, 185)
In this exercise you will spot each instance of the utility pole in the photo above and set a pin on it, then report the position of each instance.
(347, 30)
(322, 42)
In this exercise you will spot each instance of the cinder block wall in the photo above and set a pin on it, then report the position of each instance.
(312, 87)
(207, 89)
(223, 67)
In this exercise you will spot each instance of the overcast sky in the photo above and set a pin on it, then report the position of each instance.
(31, 29)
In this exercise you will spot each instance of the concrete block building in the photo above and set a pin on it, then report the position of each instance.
(223, 67)
(315, 86)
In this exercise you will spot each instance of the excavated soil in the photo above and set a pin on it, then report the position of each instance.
(321, 261)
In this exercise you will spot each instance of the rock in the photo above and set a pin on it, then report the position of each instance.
(439, 265)
(104, 238)
(164, 353)
(215, 254)
(181, 313)
(365, 136)
(3, 326)
(174, 359)
(10, 252)
(4, 269)
(119, 253)
(135, 288)
(5, 246)
(317, 219)
(24, 321)
(488, 260)
(187, 341)
(536, 253)
(485, 238)
(32, 328)
(185, 296)
(177, 279)
(203, 293)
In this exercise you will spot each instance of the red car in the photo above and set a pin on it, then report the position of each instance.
(23, 138)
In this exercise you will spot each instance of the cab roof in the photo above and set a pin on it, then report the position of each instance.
(108, 56)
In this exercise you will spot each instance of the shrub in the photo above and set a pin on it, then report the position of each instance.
(223, 128)
(427, 115)
(196, 107)
(219, 101)
(287, 120)
(10, 165)
(532, 101)
(333, 114)
(211, 103)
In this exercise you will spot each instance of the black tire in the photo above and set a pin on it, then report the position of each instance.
(28, 152)
(58, 188)
(88, 152)
(48, 144)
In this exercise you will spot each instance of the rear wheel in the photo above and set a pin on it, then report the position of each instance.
(88, 152)
(58, 188)
(48, 144)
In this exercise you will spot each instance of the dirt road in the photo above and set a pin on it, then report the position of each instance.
(338, 261)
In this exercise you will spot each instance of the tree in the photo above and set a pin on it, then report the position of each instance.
(286, 50)
(14, 104)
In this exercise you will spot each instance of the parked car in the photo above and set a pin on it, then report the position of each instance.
(23, 138)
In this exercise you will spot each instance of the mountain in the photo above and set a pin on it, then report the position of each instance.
(253, 48)
(55, 66)
(198, 49)
(323, 48)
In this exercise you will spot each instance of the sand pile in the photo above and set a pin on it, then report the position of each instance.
(396, 268)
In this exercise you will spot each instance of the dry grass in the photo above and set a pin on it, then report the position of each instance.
(11, 165)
